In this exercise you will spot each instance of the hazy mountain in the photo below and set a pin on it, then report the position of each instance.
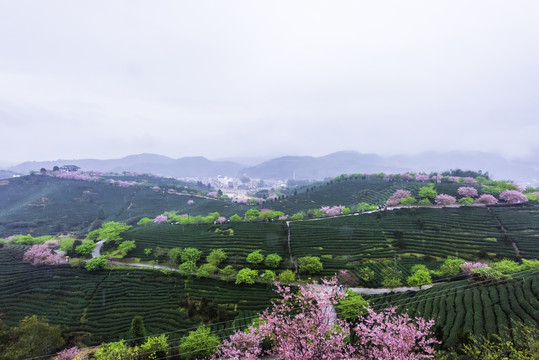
(143, 163)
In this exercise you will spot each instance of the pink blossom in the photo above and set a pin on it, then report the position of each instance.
(406, 177)
(190, 202)
(41, 254)
(160, 219)
(466, 191)
(444, 199)
(212, 194)
(282, 218)
(70, 354)
(517, 186)
(422, 177)
(513, 197)
(156, 188)
(486, 199)
(332, 211)
(397, 196)
(171, 191)
(469, 180)
(264, 210)
(221, 220)
(468, 267)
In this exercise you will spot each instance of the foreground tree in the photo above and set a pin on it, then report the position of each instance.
(302, 326)
(310, 264)
(198, 344)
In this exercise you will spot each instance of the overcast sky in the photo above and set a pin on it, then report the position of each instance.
(105, 79)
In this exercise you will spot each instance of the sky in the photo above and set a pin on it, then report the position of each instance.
(106, 79)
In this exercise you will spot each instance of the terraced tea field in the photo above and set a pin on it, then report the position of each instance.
(480, 308)
(100, 306)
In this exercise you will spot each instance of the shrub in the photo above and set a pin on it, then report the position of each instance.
(85, 249)
(466, 201)
(287, 276)
(255, 257)
(273, 260)
(216, 257)
(96, 263)
(246, 276)
(310, 264)
(199, 344)
(228, 273)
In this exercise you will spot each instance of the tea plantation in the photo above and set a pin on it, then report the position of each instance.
(482, 308)
(100, 306)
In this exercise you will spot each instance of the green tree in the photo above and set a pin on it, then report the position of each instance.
(111, 231)
(428, 192)
(155, 347)
(352, 306)
(506, 266)
(366, 273)
(252, 214)
(191, 254)
(255, 257)
(32, 337)
(137, 331)
(273, 260)
(451, 267)
(115, 351)
(363, 206)
(126, 246)
(419, 278)
(96, 263)
(228, 273)
(246, 276)
(216, 257)
(409, 200)
(235, 218)
(174, 255)
(268, 277)
(145, 221)
(298, 216)
(466, 201)
(85, 249)
(187, 268)
(310, 264)
(391, 277)
(147, 251)
(287, 276)
(199, 344)
(206, 270)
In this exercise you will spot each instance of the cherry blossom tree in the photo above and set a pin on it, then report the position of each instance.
(422, 177)
(468, 267)
(159, 219)
(513, 197)
(332, 210)
(220, 220)
(70, 354)
(469, 180)
(486, 199)
(444, 199)
(190, 202)
(212, 194)
(467, 191)
(454, 178)
(406, 177)
(42, 254)
(303, 326)
(397, 196)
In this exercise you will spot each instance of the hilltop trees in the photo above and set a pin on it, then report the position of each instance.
(513, 197)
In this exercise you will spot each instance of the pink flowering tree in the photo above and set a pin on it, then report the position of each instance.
(469, 180)
(388, 336)
(467, 191)
(444, 199)
(517, 186)
(212, 194)
(422, 177)
(513, 197)
(397, 196)
(332, 210)
(159, 219)
(190, 202)
(406, 177)
(454, 179)
(42, 254)
(468, 267)
(220, 220)
(303, 326)
(70, 354)
(486, 199)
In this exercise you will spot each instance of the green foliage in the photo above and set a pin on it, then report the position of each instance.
(255, 257)
(345, 211)
(137, 331)
(529, 264)
(86, 248)
(155, 347)
(111, 231)
(366, 273)
(427, 192)
(419, 278)
(363, 206)
(228, 273)
(467, 201)
(287, 276)
(145, 221)
(506, 266)
(273, 260)
(66, 244)
(481, 274)
(147, 251)
(187, 268)
(246, 276)
(199, 344)
(451, 267)
(298, 216)
(310, 265)
(252, 214)
(216, 257)
(32, 337)
(409, 200)
(391, 277)
(235, 218)
(126, 246)
(174, 255)
(206, 270)
(190, 254)
(29, 240)
(268, 215)
(352, 306)
(424, 202)
(214, 215)
(268, 277)
(96, 263)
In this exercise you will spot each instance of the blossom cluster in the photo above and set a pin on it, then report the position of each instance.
(75, 176)
(397, 196)
(513, 197)
(444, 199)
(468, 267)
(332, 210)
(467, 191)
(159, 219)
(486, 199)
(42, 254)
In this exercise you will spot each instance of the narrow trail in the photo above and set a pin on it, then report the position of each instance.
(506, 234)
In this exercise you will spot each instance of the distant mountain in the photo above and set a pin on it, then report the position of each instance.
(144, 163)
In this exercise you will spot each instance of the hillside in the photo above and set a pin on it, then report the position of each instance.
(40, 205)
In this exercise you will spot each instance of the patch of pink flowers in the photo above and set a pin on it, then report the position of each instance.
(220, 220)
(513, 197)
(486, 199)
(422, 177)
(467, 191)
(332, 210)
(190, 202)
(444, 199)
(397, 196)
(70, 354)
(468, 267)
(159, 219)
(42, 254)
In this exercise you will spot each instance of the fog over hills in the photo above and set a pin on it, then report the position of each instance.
(524, 171)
